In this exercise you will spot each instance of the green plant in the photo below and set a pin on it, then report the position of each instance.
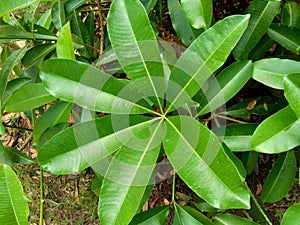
(160, 109)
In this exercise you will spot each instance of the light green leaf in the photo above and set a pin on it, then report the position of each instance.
(91, 88)
(200, 160)
(14, 209)
(127, 177)
(230, 219)
(226, 85)
(278, 133)
(180, 24)
(87, 143)
(36, 53)
(198, 12)
(56, 114)
(7, 68)
(237, 136)
(292, 91)
(46, 19)
(58, 15)
(187, 215)
(291, 14)
(155, 216)
(10, 5)
(286, 36)
(281, 178)
(136, 48)
(271, 72)
(204, 56)
(291, 216)
(64, 45)
(28, 97)
(262, 13)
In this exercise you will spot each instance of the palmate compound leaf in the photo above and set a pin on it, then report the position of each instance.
(128, 175)
(204, 56)
(91, 88)
(200, 160)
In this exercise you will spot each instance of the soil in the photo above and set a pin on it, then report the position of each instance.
(69, 199)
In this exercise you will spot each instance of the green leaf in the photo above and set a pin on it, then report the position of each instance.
(265, 44)
(11, 5)
(187, 215)
(64, 45)
(278, 133)
(271, 72)
(70, 6)
(237, 136)
(281, 178)
(262, 13)
(14, 209)
(9, 33)
(7, 68)
(198, 12)
(149, 4)
(10, 155)
(136, 48)
(204, 56)
(291, 14)
(200, 160)
(292, 91)
(291, 216)
(87, 143)
(56, 114)
(226, 85)
(58, 15)
(230, 219)
(249, 160)
(125, 183)
(46, 19)
(28, 97)
(286, 36)
(91, 88)
(155, 216)
(36, 53)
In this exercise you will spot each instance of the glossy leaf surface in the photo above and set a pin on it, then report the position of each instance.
(198, 163)
(262, 14)
(291, 216)
(28, 97)
(291, 14)
(278, 133)
(14, 209)
(292, 91)
(155, 216)
(281, 178)
(10, 5)
(64, 45)
(230, 219)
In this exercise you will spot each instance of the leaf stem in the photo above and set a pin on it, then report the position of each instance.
(41, 196)
(230, 119)
(173, 187)
(101, 47)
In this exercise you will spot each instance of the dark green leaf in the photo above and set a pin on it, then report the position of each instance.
(199, 158)
(155, 216)
(14, 209)
(28, 97)
(291, 14)
(262, 13)
(278, 133)
(149, 4)
(286, 36)
(58, 15)
(9, 156)
(230, 219)
(261, 48)
(280, 179)
(72, 5)
(249, 159)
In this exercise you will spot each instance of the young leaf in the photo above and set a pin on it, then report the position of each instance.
(278, 133)
(225, 86)
(155, 216)
(205, 55)
(280, 179)
(64, 45)
(292, 91)
(237, 136)
(58, 15)
(11, 5)
(230, 219)
(56, 114)
(180, 24)
(87, 143)
(291, 14)
(271, 72)
(285, 36)
(188, 215)
(200, 160)
(291, 216)
(28, 97)
(14, 209)
(198, 12)
(262, 13)
(91, 88)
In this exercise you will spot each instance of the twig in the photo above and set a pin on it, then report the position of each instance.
(230, 119)
(26, 141)
(15, 127)
(101, 47)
